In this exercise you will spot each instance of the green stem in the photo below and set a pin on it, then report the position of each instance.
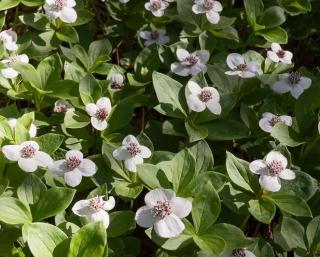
(244, 222)
(16, 16)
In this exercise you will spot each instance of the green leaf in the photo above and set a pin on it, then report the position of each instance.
(43, 238)
(31, 189)
(68, 34)
(262, 209)
(84, 16)
(195, 132)
(90, 90)
(202, 153)
(239, 173)
(121, 222)
(169, 91)
(74, 120)
(152, 176)
(7, 4)
(205, 208)
(81, 55)
(112, 163)
(89, 241)
(170, 244)
(128, 190)
(50, 69)
(232, 235)
(276, 35)
(13, 211)
(50, 142)
(52, 202)
(98, 48)
(29, 74)
(183, 171)
(286, 135)
(218, 131)
(211, 244)
(37, 21)
(289, 233)
(313, 233)
(290, 203)
(273, 17)
(254, 9)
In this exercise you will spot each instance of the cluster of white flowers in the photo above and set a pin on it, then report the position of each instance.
(157, 7)
(27, 155)
(190, 63)
(163, 211)
(62, 9)
(201, 98)
(73, 167)
(131, 152)
(239, 67)
(99, 111)
(271, 170)
(158, 37)
(211, 8)
(269, 120)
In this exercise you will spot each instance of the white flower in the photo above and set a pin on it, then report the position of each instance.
(124, 1)
(271, 170)
(131, 152)
(238, 253)
(73, 168)
(210, 7)
(279, 55)
(239, 67)
(116, 81)
(157, 7)
(99, 112)
(190, 63)
(62, 9)
(9, 72)
(13, 122)
(292, 82)
(9, 39)
(158, 36)
(202, 98)
(269, 120)
(63, 106)
(27, 155)
(95, 209)
(163, 211)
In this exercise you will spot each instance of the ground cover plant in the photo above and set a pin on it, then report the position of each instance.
(163, 128)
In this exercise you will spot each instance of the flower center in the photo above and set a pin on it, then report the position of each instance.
(133, 149)
(59, 4)
(115, 85)
(242, 67)
(156, 5)
(281, 53)
(275, 167)
(205, 95)
(154, 35)
(192, 59)
(96, 203)
(101, 114)
(28, 152)
(274, 120)
(208, 4)
(294, 77)
(162, 209)
(238, 253)
(72, 162)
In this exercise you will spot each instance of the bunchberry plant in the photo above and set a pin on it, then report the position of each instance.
(159, 128)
